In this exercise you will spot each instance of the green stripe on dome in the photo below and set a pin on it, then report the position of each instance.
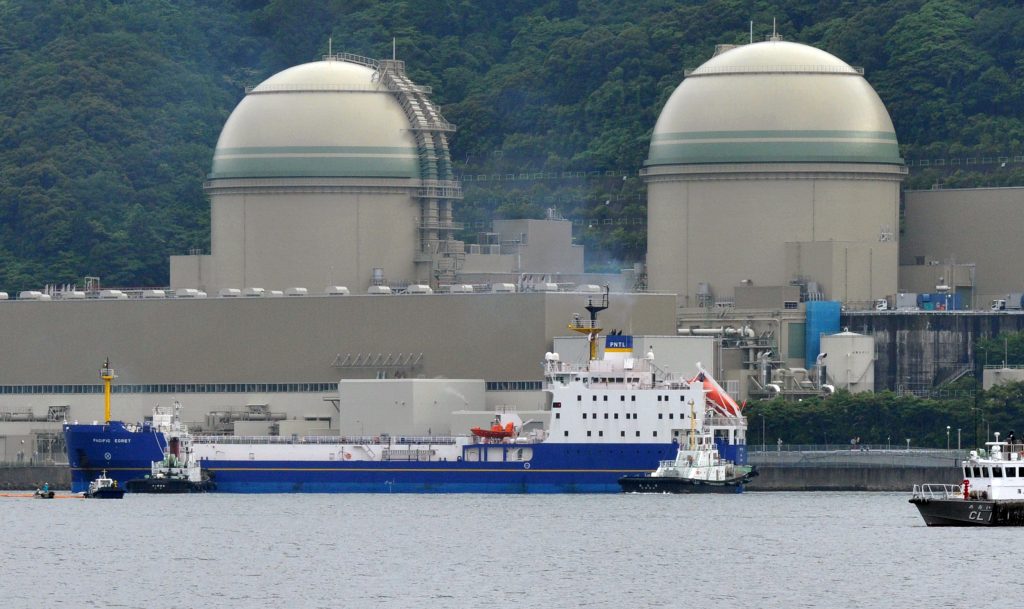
(774, 147)
(775, 134)
(315, 161)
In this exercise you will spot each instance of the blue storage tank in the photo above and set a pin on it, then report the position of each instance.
(822, 318)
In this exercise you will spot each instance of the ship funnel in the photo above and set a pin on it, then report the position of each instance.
(618, 347)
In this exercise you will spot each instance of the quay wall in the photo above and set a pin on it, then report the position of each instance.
(855, 478)
(31, 477)
(771, 478)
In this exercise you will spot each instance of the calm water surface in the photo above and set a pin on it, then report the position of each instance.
(340, 551)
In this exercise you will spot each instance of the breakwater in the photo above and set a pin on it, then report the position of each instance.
(853, 470)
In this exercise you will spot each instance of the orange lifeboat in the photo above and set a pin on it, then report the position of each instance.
(496, 431)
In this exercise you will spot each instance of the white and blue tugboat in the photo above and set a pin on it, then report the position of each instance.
(614, 415)
(698, 466)
(992, 492)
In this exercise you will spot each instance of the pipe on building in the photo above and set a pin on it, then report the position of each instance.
(743, 332)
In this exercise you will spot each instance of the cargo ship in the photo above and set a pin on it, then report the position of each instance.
(614, 415)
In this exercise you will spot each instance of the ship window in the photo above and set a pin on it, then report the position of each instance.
(606, 415)
(600, 433)
(556, 405)
(638, 434)
(593, 415)
(977, 472)
(967, 472)
(605, 398)
(659, 398)
(558, 415)
(567, 433)
(622, 398)
(595, 398)
(622, 433)
(660, 415)
(632, 398)
(671, 415)
(655, 433)
(579, 398)
(588, 433)
(584, 415)
(1011, 472)
(616, 415)
(997, 472)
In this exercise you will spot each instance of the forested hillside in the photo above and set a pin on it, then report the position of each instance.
(109, 110)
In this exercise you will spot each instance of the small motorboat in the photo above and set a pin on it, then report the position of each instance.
(44, 492)
(104, 487)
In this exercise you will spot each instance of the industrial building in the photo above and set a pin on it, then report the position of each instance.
(967, 239)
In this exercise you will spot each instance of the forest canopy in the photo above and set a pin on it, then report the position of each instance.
(110, 110)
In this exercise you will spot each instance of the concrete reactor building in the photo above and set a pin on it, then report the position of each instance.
(773, 164)
(335, 172)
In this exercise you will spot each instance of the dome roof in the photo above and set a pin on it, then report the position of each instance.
(774, 102)
(322, 119)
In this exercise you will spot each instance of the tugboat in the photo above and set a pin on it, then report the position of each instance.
(698, 468)
(104, 488)
(179, 470)
(992, 493)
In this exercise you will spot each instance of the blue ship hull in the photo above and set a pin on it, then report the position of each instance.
(554, 467)
(122, 453)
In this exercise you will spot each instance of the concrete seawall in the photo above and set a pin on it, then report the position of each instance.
(854, 470)
(862, 478)
(31, 477)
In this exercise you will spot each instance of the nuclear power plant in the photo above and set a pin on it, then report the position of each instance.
(773, 164)
(774, 257)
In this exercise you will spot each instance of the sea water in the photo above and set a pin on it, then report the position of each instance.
(342, 551)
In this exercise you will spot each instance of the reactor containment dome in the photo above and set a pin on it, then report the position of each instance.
(773, 164)
(335, 172)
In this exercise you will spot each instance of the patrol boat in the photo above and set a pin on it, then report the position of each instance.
(991, 494)
(613, 415)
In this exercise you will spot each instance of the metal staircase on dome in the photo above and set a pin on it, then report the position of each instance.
(438, 187)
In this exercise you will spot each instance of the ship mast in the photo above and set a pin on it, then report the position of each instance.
(590, 327)
(107, 374)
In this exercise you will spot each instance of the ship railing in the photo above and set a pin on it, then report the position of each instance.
(324, 440)
(938, 491)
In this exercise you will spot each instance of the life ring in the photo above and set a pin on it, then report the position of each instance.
(526, 466)
(348, 456)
